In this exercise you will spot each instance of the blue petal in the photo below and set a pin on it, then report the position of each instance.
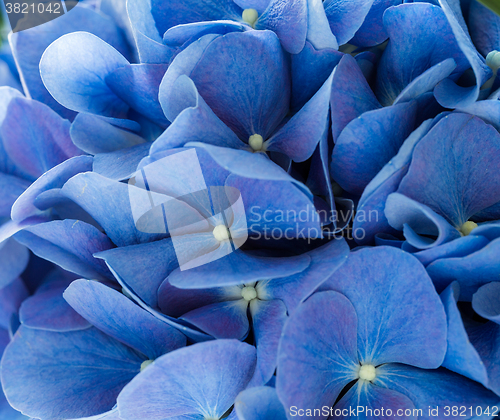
(351, 95)
(83, 372)
(65, 72)
(138, 86)
(25, 207)
(448, 93)
(221, 319)
(11, 297)
(319, 35)
(70, 244)
(471, 271)
(108, 202)
(453, 175)
(238, 267)
(418, 222)
(368, 143)
(484, 26)
(394, 325)
(259, 403)
(436, 388)
(344, 18)
(317, 352)
(95, 135)
(268, 319)
(121, 164)
(259, 5)
(420, 37)
(35, 137)
(14, 258)
(485, 301)
(29, 45)
(12, 187)
(461, 356)
(198, 380)
(120, 318)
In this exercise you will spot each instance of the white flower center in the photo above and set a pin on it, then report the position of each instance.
(249, 293)
(256, 142)
(145, 364)
(221, 233)
(367, 373)
(250, 16)
(467, 228)
(493, 60)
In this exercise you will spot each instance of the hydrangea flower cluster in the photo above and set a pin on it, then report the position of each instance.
(253, 210)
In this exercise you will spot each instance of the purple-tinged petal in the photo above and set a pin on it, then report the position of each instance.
(420, 37)
(11, 297)
(346, 17)
(436, 388)
(14, 258)
(448, 93)
(194, 120)
(222, 319)
(143, 267)
(418, 222)
(96, 135)
(121, 164)
(310, 69)
(138, 86)
(370, 218)
(35, 137)
(486, 303)
(453, 173)
(108, 202)
(368, 143)
(25, 207)
(69, 244)
(258, 404)
(484, 26)
(302, 133)
(29, 45)
(203, 379)
(83, 372)
(364, 396)
(12, 187)
(461, 356)
(254, 102)
(47, 310)
(74, 69)
(393, 325)
(294, 289)
(183, 35)
(117, 316)
(317, 352)
(351, 95)
(268, 320)
(471, 271)
(238, 267)
(457, 248)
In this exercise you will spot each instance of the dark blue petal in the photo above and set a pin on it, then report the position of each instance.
(70, 244)
(29, 45)
(471, 271)
(83, 372)
(96, 135)
(138, 86)
(461, 356)
(484, 26)
(393, 324)
(120, 318)
(198, 380)
(65, 72)
(258, 403)
(351, 95)
(368, 143)
(317, 352)
(418, 222)
(14, 258)
(25, 207)
(451, 172)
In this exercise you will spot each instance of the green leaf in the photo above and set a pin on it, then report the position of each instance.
(492, 5)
